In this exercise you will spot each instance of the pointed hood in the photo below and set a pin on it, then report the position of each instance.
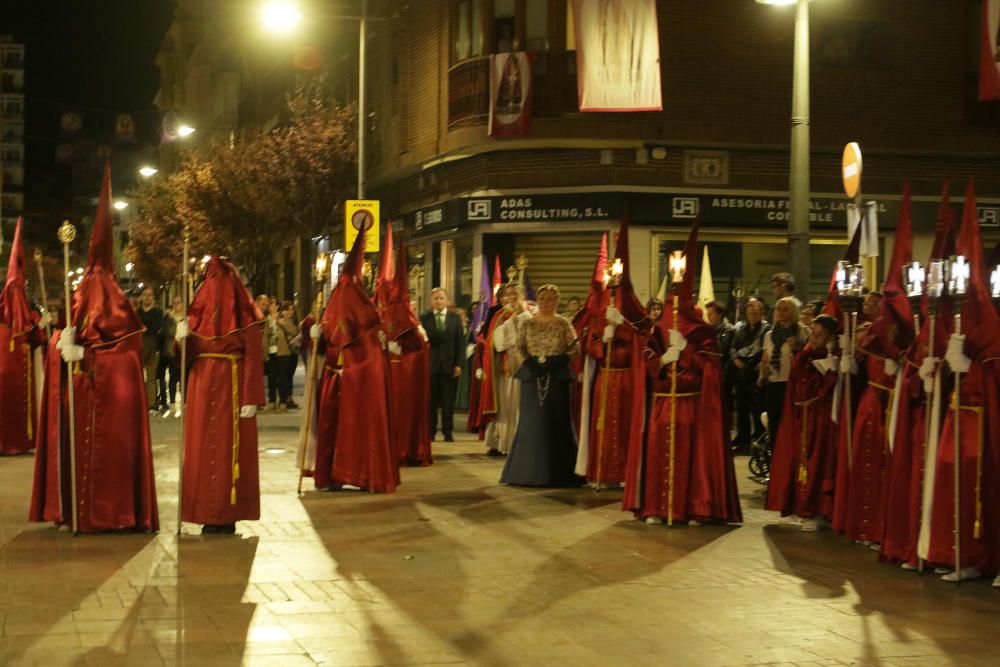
(351, 270)
(944, 232)
(980, 320)
(386, 270)
(706, 287)
(497, 277)
(15, 311)
(101, 313)
(102, 250)
(689, 323)
(595, 296)
(350, 312)
(529, 290)
(222, 304)
(485, 299)
(894, 322)
(397, 314)
(625, 298)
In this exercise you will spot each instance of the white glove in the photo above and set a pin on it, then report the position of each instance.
(423, 332)
(614, 316)
(316, 331)
(71, 353)
(671, 355)
(395, 348)
(470, 350)
(609, 333)
(891, 367)
(479, 373)
(955, 356)
(525, 315)
(926, 372)
(67, 339)
(248, 411)
(848, 365)
(677, 339)
(182, 331)
(45, 320)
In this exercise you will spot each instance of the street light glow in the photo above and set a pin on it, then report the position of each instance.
(280, 17)
(121, 205)
(148, 171)
(777, 2)
(129, 266)
(185, 131)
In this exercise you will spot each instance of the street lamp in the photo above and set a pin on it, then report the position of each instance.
(798, 186)
(121, 205)
(148, 171)
(280, 17)
(185, 131)
(283, 17)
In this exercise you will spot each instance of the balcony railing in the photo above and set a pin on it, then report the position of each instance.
(553, 81)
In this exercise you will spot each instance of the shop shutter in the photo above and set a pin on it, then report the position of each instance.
(564, 259)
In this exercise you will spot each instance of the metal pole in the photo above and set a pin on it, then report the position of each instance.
(363, 26)
(183, 384)
(41, 289)
(67, 233)
(798, 219)
(957, 444)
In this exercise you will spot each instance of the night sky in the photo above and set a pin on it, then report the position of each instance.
(92, 56)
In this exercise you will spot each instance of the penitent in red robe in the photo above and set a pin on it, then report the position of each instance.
(226, 371)
(352, 443)
(617, 399)
(802, 468)
(699, 480)
(20, 338)
(114, 458)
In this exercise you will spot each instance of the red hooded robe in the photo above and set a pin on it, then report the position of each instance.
(19, 338)
(858, 502)
(114, 458)
(595, 305)
(702, 483)
(352, 444)
(979, 424)
(408, 412)
(903, 492)
(616, 414)
(225, 356)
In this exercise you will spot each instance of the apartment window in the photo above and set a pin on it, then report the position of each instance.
(12, 106)
(12, 154)
(536, 25)
(469, 29)
(504, 26)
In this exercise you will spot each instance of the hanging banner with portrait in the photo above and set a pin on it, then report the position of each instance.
(617, 55)
(510, 94)
(989, 60)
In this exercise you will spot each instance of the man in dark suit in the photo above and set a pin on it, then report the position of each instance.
(444, 331)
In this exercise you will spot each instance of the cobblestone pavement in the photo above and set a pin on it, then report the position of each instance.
(454, 568)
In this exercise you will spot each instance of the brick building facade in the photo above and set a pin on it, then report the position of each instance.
(898, 76)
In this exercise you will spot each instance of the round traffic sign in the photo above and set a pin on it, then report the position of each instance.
(362, 220)
(851, 169)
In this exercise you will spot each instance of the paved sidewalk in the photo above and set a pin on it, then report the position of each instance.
(454, 568)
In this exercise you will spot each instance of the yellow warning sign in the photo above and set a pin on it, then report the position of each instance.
(361, 214)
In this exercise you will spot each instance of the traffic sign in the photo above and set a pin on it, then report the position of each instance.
(362, 214)
(851, 169)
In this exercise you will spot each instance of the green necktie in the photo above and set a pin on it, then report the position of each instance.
(440, 320)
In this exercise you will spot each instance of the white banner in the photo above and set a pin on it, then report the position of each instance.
(989, 61)
(617, 55)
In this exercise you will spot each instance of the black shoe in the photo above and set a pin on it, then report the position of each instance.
(494, 452)
(292, 405)
(448, 438)
(215, 529)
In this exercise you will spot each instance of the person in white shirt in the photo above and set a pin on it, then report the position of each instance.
(781, 343)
